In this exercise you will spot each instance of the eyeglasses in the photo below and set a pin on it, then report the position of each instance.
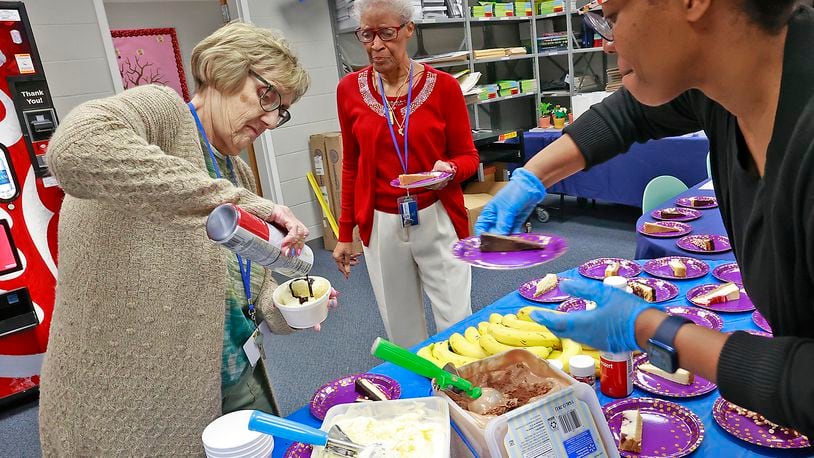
(602, 25)
(385, 33)
(271, 101)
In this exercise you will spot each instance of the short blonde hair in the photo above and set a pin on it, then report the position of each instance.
(223, 60)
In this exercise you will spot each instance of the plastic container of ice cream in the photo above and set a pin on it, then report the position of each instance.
(301, 305)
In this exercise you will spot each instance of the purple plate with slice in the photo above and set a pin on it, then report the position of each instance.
(720, 243)
(468, 250)
(687, 214)
(680, 229)
(528, 288)
(575, 304)
(742, 304)
(664, 289)
(299, 450)
(660, 267)
(742, 424)
(595, 268)
(660, 385)
(343, 391)
(699, 316)
(761, 322)
(432, 179)
(709, 202)
(668, 429)
(728, 273)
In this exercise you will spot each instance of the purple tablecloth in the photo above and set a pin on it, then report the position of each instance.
(709, 223)
(622, 179)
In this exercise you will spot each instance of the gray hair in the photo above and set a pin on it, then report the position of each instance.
(402, 8)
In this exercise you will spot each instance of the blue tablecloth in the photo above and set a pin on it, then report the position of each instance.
(622, 179)
(717, 442)
(709, 223)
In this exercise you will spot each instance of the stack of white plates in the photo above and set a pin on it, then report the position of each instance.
(229, 437)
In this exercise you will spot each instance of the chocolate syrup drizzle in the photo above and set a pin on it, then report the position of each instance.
(310, 282)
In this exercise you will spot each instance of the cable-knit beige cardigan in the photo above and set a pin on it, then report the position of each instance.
(133, 364)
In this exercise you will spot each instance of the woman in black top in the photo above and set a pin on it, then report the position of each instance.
(743, 71)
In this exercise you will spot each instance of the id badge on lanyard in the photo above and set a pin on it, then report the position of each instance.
(407, 205)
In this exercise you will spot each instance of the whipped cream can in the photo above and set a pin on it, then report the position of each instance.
(616, 374)
(255, 239)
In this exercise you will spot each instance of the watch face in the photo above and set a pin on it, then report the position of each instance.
(662, 356)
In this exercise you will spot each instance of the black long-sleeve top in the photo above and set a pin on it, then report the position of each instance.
(770, 221)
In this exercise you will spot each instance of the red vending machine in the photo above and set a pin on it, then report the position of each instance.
(29, 206)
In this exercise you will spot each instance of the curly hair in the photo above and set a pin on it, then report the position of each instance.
(403, 8)
(223, 60)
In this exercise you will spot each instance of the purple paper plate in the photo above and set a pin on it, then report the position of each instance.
(423, 183)
(738, 424)
(758, 333)
(555, 295)
(701, 317)
(659, 385)
(660, 267)
(668, 429)
(743, 304)
(595, 268)
(728, 273)
(468, 250)
(575, 304)
(685, 202)
(720, 242)
(761, 322)
(664, 289)
(299, 450)
(683, 229)
(343, 391)
(689, 214)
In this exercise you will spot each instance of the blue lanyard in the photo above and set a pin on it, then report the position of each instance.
(406, 118)
(245, 271)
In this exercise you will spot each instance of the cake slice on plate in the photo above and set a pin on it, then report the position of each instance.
(724, 293)
(630, 435)
(612, 269)
(678, 267)
(671, 213)
(659, 228)
(548, 283)
(703, 242)
(681, 376)
(644, 291)
(701, 201)
(494, 242)
(410, 178)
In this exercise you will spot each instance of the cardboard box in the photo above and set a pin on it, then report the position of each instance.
(476, 196)
(333, 151)
(316, 148)
(330, 241)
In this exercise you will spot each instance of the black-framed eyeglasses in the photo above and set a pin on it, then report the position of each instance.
(385, 33)
(270, 100)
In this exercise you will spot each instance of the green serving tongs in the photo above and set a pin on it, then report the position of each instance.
(445, 380)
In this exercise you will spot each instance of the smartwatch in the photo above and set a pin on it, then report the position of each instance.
(660, 348)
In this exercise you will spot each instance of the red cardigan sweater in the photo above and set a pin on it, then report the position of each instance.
(439, 130)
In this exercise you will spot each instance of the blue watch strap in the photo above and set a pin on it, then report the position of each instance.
(667, 330)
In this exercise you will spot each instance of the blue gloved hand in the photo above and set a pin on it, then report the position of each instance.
(510, 208)
(609, 327)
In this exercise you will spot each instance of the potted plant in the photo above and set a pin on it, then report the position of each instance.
(545, 115)
(560, 115)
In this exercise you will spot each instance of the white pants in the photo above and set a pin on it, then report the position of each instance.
(404, 263)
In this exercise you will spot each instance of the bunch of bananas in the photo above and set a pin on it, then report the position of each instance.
(502, 333)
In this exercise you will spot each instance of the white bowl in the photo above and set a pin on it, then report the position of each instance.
(261, 450)
(230, 432)
(303, 316)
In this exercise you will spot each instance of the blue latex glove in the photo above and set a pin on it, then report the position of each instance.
(609, 327)
(510, 208)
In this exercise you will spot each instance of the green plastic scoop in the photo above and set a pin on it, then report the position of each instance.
(391, 352)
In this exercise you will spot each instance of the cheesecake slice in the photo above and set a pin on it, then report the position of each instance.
(658, 228)
(548, 283)
(671, 213)
(646, 292)
(704, 243)
(681, 376)
(630, 435)
(678, 267)
(724, 293)
(494, 242)
(410, 178)
(612, 269)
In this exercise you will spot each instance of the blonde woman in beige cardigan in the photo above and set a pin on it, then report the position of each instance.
(144, 352)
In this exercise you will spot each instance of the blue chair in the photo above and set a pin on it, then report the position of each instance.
(660, 189)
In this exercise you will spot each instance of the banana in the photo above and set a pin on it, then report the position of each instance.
(569, 349)
(524, 314)
(493, 347)
(512, 321)
(555, 354)
(519, 338)
(426, 353)
(471, 334)
(483, 328)
(442, 353)
(464, 347)
(495, 318)
(592, 353)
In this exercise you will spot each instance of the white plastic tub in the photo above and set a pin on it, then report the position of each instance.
(303, 316)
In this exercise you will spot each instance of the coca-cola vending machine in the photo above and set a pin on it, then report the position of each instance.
(29, 205)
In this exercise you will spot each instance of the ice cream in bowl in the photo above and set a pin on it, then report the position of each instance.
(303, 301)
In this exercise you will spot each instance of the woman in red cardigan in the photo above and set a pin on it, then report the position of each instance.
(382, 140)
